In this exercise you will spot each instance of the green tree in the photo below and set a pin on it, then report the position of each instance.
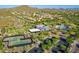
(70, 39)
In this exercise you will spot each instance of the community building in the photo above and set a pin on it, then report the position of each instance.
(17, 40)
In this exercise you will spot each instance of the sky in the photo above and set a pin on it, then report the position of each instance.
(43, 6)
(7, 6)
(56, 6)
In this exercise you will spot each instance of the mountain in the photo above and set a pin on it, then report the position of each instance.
(12, 16)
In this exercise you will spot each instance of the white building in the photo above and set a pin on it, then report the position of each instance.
(34, 30)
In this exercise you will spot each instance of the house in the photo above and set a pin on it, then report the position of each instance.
(61, 47)
(65, 43)
(34, 30)
(42, 27)
(36, 50)
(61, 27)
(55, 50)
(63, 39)
(77, 45)
(58, 50)
(17, 40)
(73, 35)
